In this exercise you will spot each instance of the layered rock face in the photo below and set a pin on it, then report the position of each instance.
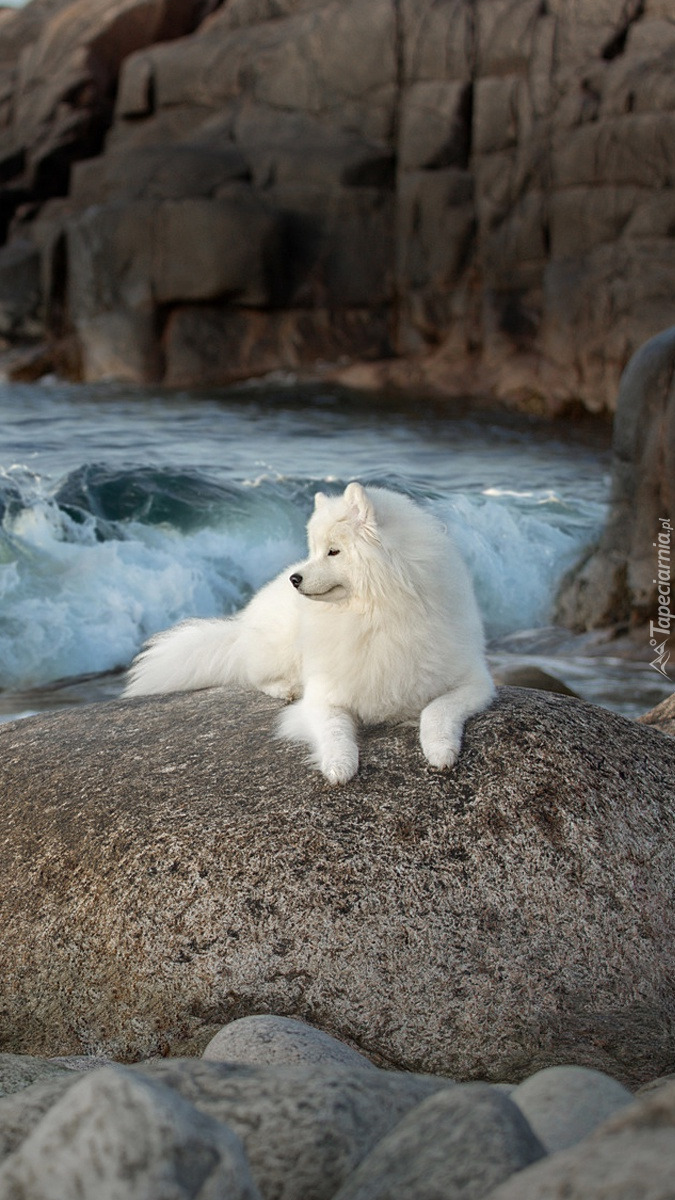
(480, 187)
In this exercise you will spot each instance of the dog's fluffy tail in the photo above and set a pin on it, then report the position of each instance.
(196, 654)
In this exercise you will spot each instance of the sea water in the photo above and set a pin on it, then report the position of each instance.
(122, 512)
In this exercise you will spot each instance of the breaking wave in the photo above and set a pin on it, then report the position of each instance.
(95, 562)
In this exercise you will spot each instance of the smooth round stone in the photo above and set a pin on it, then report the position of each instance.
(565, 1104)
(116, 1134)
(456, 1145)
(268, 1040)
(630, 1157)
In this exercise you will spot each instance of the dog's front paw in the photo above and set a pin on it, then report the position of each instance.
(279, 691)
(340, 768)
(441, 752)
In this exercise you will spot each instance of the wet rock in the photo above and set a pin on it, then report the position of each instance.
(631, 1154)
(213, 344)
(267, 1040)
(532, 677)
(28, 362)
(564, 1104)
(19, 290)
(618, 579)
(662, 716)
(457, 1144)
(168, 867)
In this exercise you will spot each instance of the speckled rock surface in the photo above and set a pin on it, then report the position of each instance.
(166, 867)
(267, 1039)
(20, 1070)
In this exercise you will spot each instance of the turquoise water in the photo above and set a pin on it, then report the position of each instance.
(122, 512)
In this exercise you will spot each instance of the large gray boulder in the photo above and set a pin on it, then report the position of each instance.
(167, 867)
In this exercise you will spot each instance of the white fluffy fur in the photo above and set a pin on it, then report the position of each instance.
(381, 626)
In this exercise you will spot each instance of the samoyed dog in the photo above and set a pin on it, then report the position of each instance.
(379, 624)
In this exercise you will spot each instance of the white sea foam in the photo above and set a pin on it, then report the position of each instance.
(72, 604)
(518, 546)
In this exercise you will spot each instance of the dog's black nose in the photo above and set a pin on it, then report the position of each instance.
(296, 580)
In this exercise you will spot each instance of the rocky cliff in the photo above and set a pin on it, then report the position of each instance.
(468, 194)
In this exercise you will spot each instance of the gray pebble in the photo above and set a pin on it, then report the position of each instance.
(456, 1145)
(118, 1136)
(565, 1104)
(630, 1157)
(268, 1039)
(654, 1085)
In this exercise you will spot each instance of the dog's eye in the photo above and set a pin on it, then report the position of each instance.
(332, 553)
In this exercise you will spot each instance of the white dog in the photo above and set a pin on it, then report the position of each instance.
(379, 624)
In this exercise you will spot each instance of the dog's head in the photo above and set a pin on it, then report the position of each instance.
(341, 529)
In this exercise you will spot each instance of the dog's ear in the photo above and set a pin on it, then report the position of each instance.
(361, 510)
(319, 499)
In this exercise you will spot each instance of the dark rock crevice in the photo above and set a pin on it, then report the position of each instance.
(56, 124)
(635, 10)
